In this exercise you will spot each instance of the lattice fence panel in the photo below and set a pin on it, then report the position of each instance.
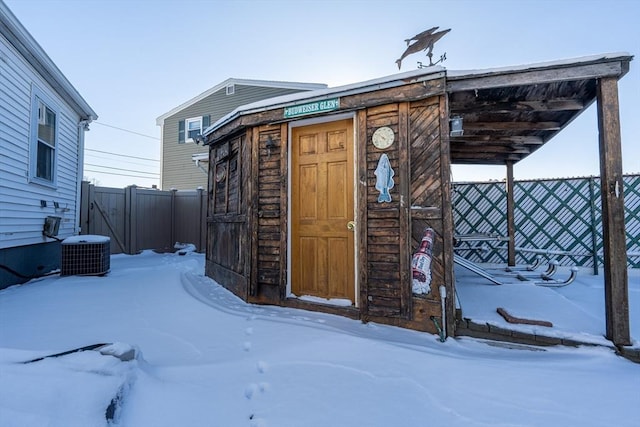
(560, 216)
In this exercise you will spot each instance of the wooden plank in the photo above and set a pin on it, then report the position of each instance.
(535, 76)
(361, 211)
(284, 207)
(226, 218)
(479, 140)
(410, 92)
(426, 212)
(404, 177)
(350, 312)
(232, 281)
(515, 126)
(613, 228)
(252, 193)
(471, 105)
(447, 217)
(383, 257)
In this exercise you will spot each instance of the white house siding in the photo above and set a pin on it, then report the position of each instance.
(21, 216)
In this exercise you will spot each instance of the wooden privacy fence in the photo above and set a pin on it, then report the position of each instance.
(137, 219)
(559, 218)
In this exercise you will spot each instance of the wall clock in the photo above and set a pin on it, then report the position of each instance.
(383, 137)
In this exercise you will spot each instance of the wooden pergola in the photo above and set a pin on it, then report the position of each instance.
(510, 113)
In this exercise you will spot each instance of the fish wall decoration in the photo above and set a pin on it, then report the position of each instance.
(384, 179)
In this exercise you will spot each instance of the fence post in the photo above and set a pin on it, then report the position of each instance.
(173, 216)
(130, 220)
(594, 230)
(200, 219)
(84, 208)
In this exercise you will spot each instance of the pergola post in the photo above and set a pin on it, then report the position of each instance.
(613, 229)
(511, 222)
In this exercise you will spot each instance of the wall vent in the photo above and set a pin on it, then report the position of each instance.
(86, 255)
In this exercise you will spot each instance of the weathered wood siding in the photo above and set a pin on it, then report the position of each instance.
(393, 231)
(430, 203)
(387, 233)
(270, 202)
(227, 236)
(384, 254)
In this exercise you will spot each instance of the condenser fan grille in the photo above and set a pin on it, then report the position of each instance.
(85, 255)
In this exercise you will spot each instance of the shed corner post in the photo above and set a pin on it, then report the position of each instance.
(613, 228)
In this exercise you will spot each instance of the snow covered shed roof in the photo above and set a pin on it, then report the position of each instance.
(508, 112)
(28, 47)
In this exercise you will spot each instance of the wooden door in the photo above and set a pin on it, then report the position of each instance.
(322, 258)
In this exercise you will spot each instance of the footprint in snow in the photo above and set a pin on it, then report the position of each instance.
(247, 346)
(251, 390)
(257, 422)
(248, 331)
(261, 366)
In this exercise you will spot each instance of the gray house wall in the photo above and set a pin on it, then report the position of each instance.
(178, 171)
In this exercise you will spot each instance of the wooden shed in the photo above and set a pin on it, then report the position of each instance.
(320, 200)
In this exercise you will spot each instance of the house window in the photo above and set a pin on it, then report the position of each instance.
(189, 129)
(193, 127)
(231, 89)
(44, 138)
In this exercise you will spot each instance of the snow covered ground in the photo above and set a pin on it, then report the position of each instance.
(577, 311)
(205, 358)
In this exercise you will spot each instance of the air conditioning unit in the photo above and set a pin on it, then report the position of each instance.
(86, 255)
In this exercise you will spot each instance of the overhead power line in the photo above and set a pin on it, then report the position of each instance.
(121, 155)
(119, 174)
(126, 130)
(120, 169)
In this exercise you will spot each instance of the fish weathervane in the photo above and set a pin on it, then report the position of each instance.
(421, 42)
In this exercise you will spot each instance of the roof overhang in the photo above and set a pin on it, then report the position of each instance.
(508, 113)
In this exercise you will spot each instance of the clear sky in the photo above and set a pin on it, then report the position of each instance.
(134, 60)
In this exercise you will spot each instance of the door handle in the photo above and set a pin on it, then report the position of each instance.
(351, 225)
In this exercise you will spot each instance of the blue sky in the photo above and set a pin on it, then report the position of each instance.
(134, 60)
